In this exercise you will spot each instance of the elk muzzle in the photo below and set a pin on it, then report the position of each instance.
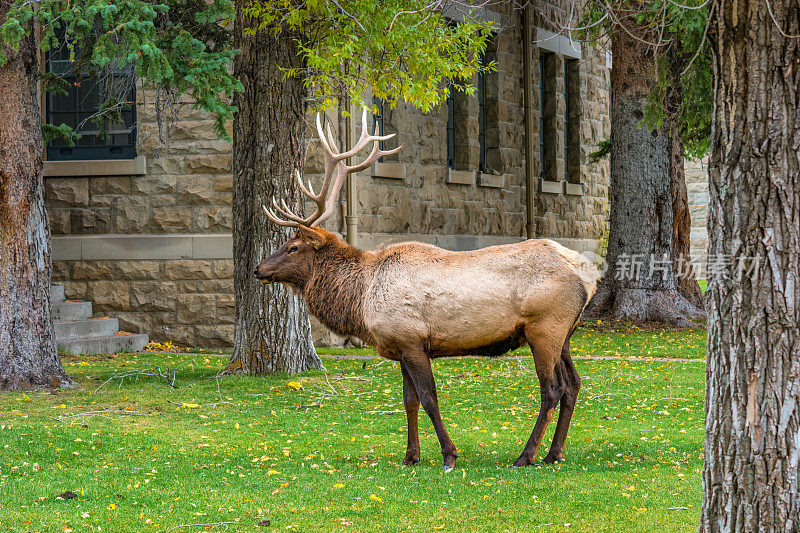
(264, 273)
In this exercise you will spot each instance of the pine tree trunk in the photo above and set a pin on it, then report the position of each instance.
(273, 331)
(28, 356)
(685, 276)
(752, 446)
(639, 284)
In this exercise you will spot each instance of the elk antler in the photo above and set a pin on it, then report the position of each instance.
(334, 163)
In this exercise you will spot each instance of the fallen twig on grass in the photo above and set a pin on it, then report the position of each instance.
(81, 417)
(596, 396)
(384, 412)
(209, 524)
(152, 371)
(167, 376)
(179, 404)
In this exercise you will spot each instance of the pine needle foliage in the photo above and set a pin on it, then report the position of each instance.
(182, 47)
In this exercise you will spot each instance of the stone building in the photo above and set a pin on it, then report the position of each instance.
(144, 231)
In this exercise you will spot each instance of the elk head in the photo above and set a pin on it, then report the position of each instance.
(292, 261)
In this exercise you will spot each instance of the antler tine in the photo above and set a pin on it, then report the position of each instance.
(327, 143)
(376, 154)
(307, 191)
(331, 142)
(277, 220)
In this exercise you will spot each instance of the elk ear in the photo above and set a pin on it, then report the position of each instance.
(311, 236)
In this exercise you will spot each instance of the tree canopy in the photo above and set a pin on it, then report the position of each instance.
(404, 49)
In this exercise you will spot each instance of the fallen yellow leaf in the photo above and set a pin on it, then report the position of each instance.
(338, 485)
(25, 398)
(376, 498)
(294, 385)
(272, 472)
(190, 405)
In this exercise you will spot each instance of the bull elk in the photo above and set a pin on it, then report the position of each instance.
(415, 302)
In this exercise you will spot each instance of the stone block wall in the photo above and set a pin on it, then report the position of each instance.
(188, 302)
(697, 190)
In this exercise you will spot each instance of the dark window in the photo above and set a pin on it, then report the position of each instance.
(110, 136)
(566, 122)
(572, 121)
(542, 128)
(482, 118)
(451, 126)
(377, 123)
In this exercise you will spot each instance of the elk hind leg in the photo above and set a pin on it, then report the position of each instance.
(572, 384)
(546, 357)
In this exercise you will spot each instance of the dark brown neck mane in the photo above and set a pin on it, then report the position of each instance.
(335, 290)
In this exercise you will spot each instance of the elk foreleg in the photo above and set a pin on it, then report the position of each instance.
(571, 387)
(418, 366)
(411, 402)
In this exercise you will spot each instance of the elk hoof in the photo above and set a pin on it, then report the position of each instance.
(550, 459)
(412, 458)
(521, 462)
(446, 468)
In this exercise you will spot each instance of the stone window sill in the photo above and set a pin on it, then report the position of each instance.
(574, 189)
(142, 246)
(461, 177)
(495, 181)
(98, 167)
(560, 187)
(394, 171)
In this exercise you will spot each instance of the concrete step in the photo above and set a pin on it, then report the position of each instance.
(90, 327)
(104, 344)
(71, 310)
(56, 294)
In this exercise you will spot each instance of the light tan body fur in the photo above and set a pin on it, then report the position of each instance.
(455, 303)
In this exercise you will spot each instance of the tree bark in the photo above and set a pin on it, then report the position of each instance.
(752, 446)
(685, 274)
(639, 284)
(28, 356)
(273, 331)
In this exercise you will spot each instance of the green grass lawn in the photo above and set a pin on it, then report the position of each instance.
(326, 457)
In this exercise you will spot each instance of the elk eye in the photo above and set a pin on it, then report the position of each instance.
(293, 249)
